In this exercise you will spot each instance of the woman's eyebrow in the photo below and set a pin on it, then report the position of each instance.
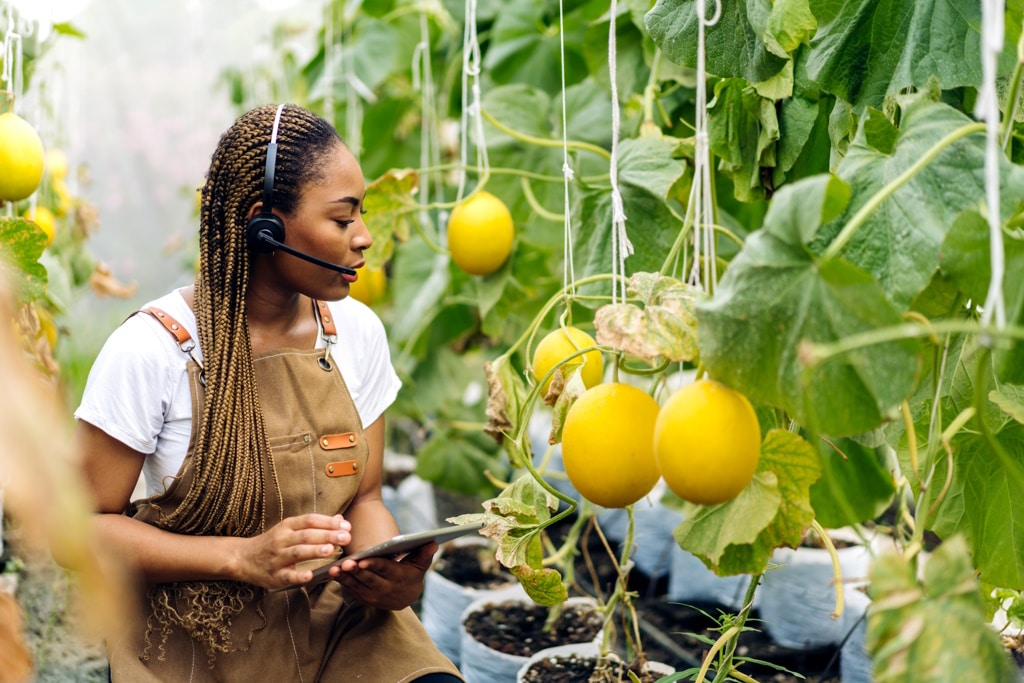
(354, 201)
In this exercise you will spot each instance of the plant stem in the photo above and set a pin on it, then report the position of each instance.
(837, 570)
(544, 142)
(722, 640)
(844, 236)
(814, 354)
(727, 668)
(1013, 98)
(652, 87)
(531, 199)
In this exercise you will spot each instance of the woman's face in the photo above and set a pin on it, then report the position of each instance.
(328, 224)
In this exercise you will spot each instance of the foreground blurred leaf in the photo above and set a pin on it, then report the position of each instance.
(933, 631)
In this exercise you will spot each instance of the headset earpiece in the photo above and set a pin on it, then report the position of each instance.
(266, 223)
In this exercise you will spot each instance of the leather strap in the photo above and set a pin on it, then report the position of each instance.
(330, 329)
(176, 329)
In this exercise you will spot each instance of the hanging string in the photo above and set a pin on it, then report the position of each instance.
(700, 208)
(329, 59)
(471, 104)
(13, 76)
(622, 248)
(987, 109)
(355, 92)
(423, 81)
(568, 270)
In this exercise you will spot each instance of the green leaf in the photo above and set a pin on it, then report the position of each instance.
(544, 586)
(865, 50)
(743, 128)
(984, 501)
(21, 244)
(650, 224)
(712, 529)
(456, 463)
(524, 46)
(664, 327)
(854, 487)
(932, 631)
(900, 242)
(737, 45)
(966, 258)
(738, 537)
(390, 210)
(1010, 399)
(799, 209)
(773, 299)
(420, 279)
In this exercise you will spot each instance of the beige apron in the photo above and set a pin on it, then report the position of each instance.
(317, 457)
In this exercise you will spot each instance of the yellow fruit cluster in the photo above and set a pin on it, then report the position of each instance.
(705, 441)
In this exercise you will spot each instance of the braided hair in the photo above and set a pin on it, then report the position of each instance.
(230, 448)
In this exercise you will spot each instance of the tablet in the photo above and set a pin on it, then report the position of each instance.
(402, 543)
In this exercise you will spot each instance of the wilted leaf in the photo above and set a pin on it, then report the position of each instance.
(506, 392)
(934, 631)
(545, 586)
(664, 327)
(566, 396)
(390, 210)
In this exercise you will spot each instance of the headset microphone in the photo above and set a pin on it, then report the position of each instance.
(265, 230)
(265, 237)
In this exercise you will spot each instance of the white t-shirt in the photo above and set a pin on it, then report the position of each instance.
(138, 389)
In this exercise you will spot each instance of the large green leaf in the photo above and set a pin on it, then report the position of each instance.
(865, 50)
(775, 298)
(899, 243)
(21, 244)
(935, 630)
(966, 257)
(738, 45)
(738, 537)
(390, 211)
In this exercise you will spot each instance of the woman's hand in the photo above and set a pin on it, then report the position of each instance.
(385, 583)
(269, 560)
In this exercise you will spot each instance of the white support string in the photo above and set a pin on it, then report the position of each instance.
(700, 208)
(329, 59)
(423, 80)
(987, 109)
(13, 71)
(355, 92)
(622, 248)
(568, 270)
(471, 104)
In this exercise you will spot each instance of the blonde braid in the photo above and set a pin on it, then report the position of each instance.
(231, 452)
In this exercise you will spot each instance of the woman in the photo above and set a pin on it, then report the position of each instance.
(253, 404)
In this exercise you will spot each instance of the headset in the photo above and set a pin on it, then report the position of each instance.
(265, 231)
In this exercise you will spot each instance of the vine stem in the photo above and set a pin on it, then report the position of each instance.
(837, 570)
(555, 299)
(535, 204)
(544, 142)
(813, 354)
(844, 236)
(719, 644)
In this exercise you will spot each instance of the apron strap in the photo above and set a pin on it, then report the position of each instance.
(176, 329)
(322, 312)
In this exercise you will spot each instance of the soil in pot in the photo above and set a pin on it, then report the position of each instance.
(472, 565)
(577, 668)
(518, 628)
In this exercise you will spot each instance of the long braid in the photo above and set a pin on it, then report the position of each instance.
(231, 449)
